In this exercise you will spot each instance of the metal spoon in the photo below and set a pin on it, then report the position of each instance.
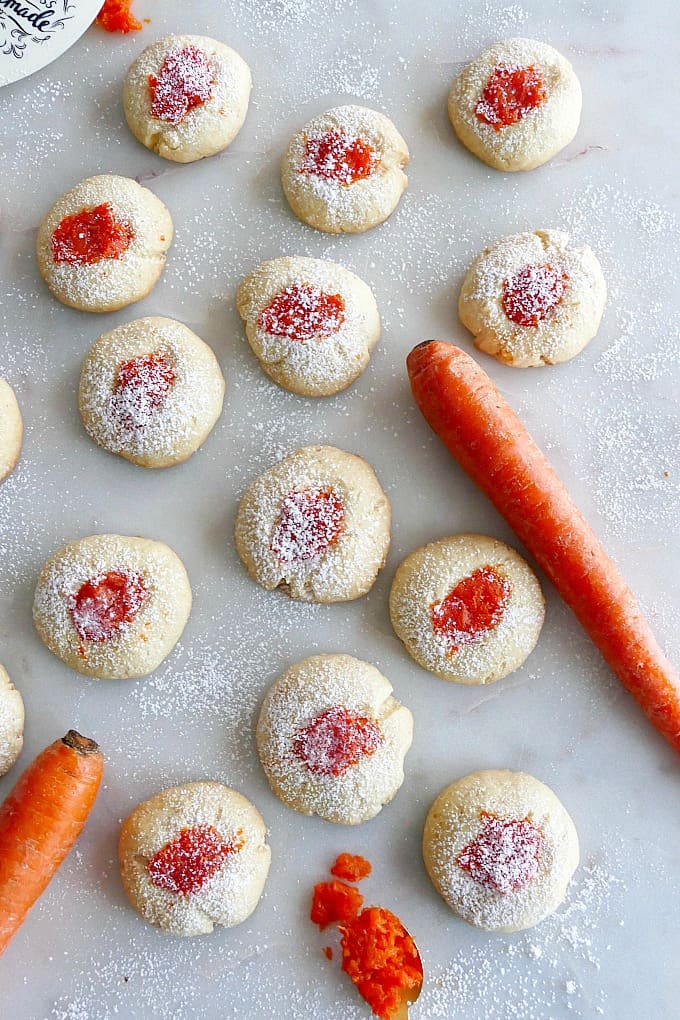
(409, 995)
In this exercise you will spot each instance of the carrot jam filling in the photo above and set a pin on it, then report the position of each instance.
(381, 959)
(472, 608)
(303, 312)
(533, 293)
(336, 740)
(505, 855)
(185, 80)
(91, 235)
(510, 94)
(102, 606)
(339, 157)
(351, 867)
(141, 388)
(309, 522)
(335, 901)
(115, 16)
(184, 865)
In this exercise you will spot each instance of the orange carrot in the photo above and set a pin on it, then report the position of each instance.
(41, 820)
(464, 408)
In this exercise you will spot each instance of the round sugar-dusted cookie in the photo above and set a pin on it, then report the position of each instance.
(193, 857)
(312, 324)
(186, 96)
(11, 722)
(316, 525)
(102, 245)
(516, 105)
(343, 171)
(468, 608)
(112, 606)
(533, 299)
(500, 849)
(150, 391)
(332, 739)
(11, 430)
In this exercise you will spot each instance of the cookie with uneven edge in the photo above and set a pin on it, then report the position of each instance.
(11, 430)
(11, 722)
(343, 171)
(316, 525)
(186, 97)
(533, 299)
(332, 739)
(468, 608)
(112, 606)
(516, 105)
(193, 857)
(312, 324)
(150, 391)
(102, 245)
(500, 849)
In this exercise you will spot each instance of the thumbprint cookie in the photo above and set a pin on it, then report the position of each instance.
(516, 105)
(316, 525)
(102, 245)
(468, 608)
(11, 430)
(111, 606)
(500, 849)
(533, 299)
(150, 391)
(343, 171)
(194, 856)
(11, 722)
(186, 97)
(312, 324)
(332, 739)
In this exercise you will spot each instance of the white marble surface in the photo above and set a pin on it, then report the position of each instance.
(608, 421)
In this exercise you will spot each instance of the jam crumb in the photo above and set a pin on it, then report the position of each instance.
(351, 867)
(116, 16)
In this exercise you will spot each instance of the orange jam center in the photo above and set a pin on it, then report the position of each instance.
(115, 16)
(474, 607)
(336, 740)
(309, 522)
(184, 80)
(334, 901)
(141, 388)
(532, 293)
(509, 94)
(303, 312)
(90, 236)
(106, 603)
(185, 864)
(339, 157)
(505, 854)
(381, 959)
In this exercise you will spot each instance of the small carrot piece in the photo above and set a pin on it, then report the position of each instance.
(41, 820)
(464, 408)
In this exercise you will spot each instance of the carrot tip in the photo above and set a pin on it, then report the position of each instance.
(81, 744)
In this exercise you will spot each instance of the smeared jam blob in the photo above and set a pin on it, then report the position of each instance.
(303, 312)
(505, 855)
(335, 740)
(309, 522)
(472, 608)
(185, 80)
(184, 865)
(91, 235)
(103, 606)
(115, 16)
(351, 867)
(334, 901)
(382, 961)
(339, 157)
(509, 94)
(141, 388)
(533, 293)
